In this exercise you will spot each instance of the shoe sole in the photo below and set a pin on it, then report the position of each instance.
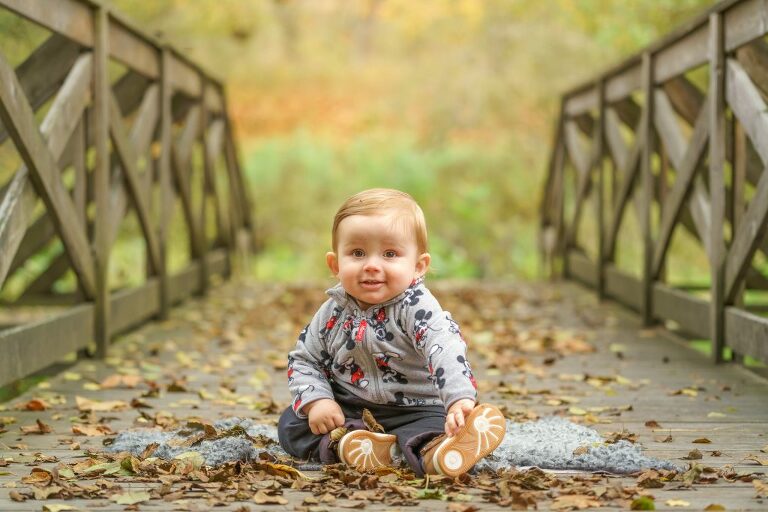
(482, 433)
(367, 450)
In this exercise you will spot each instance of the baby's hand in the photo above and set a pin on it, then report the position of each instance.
(454, 420)
(324, 415)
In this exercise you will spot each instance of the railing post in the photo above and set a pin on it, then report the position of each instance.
(598, 165)
(646, 170)
(101, 178)
(204, 270)
(166, 189)
(717, 183)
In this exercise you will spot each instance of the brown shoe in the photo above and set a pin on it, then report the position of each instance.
(483, 431)
(366, 450)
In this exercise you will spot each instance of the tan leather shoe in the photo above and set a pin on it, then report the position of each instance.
(482, 433)
(366, 450)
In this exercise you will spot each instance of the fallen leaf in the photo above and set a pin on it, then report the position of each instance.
(35, 404)
(761, 488)
(38, 428)
(715, 414)
(755, 458)
(652, 424)
(92, 430)
(84, 404)
(702, 440)
(262, 498)
(130, 498)
(677, 503)
(660, 439)
(58, 508)
(714, 506)
(643, 503)
(693, 455)
(574, 502)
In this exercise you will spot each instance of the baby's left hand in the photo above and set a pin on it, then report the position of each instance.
(454, 420)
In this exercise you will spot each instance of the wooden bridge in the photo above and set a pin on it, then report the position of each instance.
(102, 121)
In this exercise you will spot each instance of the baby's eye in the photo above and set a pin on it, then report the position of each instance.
(358, 253)
(390, 254)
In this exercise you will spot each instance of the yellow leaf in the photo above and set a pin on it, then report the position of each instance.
(130, 498)
(714, 506)
(577, 411)
(73, 376)
(677, 503)
(715, 414)
(52, 507)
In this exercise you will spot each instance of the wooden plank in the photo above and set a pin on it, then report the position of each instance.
(620, 86)
(747, 239)
(140, 138)
(647, 181)
(18, 118)
(629, 175)
(624, 288)
(748, 105)
(691, 313)
(747, 333)
(60, 121)
(629, 112)
(101, 185)
(213, 145)
(28, 348)
(181, 153)
(184, 78)
(128, 159)
(686, 171)
(214, 101)
(744, 22)
(43, 283)
(716, 109)
(164, 179)
(581, 268)
(42, 73)
(133, 50)
(582, 102)
(754, 59)
(70, 17)
(576, 151)
(684, 54)
(184, 284)
(133, 307)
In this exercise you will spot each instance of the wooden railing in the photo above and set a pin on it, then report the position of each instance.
(676, 136)
(155, 136)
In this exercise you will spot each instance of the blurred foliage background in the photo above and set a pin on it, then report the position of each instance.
(453, 101)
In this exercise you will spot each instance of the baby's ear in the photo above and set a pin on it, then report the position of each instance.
(422, 264)
(333, 262)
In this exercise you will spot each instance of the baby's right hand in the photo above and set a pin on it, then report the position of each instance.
(324, 415)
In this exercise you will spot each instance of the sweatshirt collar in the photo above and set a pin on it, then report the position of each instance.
(343, 299)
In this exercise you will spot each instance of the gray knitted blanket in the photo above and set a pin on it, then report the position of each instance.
(548, 444)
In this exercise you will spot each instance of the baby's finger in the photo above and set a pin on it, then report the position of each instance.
(459, 419)
(450, 425)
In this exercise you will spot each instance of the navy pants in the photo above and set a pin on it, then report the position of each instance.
(413, 426)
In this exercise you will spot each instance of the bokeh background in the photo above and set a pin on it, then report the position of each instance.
(453, 101)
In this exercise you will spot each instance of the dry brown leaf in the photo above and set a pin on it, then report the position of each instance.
(693, 455)
(714, 506)
(574, 502)
(121, 381)
(92, 430)
(36, 404)
(652, 424)
(702, 440)
(38, 428)
(761, 488)
(262, 498)
(755, 458)
(85, 404)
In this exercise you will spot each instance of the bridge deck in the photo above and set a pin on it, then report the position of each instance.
(228, 353)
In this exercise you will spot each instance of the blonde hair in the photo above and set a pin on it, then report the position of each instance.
(376, 201)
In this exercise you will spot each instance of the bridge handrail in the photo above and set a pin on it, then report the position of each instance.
(129, 144)
(622, 136)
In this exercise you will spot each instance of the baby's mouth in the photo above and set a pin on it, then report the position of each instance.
(371, 283)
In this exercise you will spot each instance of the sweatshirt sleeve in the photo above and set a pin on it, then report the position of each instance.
(309, 363)
(439, 339)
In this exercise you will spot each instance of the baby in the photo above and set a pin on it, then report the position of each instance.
(382, 342)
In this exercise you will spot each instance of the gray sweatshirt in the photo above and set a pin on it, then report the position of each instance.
(406, 351)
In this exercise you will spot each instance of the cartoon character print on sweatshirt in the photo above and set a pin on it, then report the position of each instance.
(379, 324)
(330, 323)
(453, 327)
(467, 371)
(435, 375)
(401, 399)
(292, 370)
(297, 401)
(353, 335)
(421, 328)
(356, 374)
(388, 373)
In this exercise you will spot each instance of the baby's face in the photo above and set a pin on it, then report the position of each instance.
(376, 258)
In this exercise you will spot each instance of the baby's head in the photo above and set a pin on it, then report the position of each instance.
(379, 242)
